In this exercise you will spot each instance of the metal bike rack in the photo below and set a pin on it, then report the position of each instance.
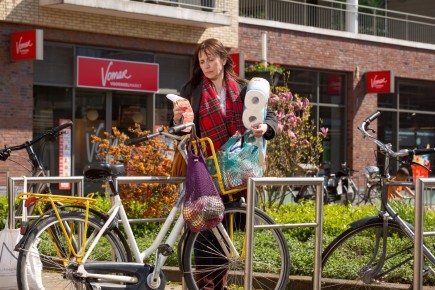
(318, 224)
(49, 179)
(420, 185)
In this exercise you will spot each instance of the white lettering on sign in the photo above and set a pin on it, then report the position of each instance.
(378, 83)
(115, 75)
(23, 47)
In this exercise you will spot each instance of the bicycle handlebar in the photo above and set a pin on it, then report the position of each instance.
(56, 131)
(364, 127)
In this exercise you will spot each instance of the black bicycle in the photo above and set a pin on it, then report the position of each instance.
(36, 167)
(376, 251)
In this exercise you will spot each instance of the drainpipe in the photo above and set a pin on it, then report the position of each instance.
(352, 16)
(264, 48)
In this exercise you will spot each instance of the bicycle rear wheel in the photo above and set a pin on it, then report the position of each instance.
(374, 194)
(349, 260)
(47, 248)
(203, 258)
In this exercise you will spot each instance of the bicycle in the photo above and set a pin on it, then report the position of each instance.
(372, 191)
(337, 187)
(81, 257)
(37, 168)
(376, 250)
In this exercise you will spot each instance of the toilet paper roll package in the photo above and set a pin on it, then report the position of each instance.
(257, 94)
(252, 117)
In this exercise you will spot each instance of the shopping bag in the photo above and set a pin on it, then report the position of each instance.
(9, 238)
(203, 207)
(238, 160)
(8, 258)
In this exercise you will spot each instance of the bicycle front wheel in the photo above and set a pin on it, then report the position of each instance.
(46, 260)
(206, 265)
(351, 260)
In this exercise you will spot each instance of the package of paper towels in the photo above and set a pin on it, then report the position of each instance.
(257, 95)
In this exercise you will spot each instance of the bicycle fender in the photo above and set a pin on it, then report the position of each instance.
(365, 221)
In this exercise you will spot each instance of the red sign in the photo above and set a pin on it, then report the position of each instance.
(117, 75)
(239, 63)
(333, 84)
(380, 82)
(28, 45)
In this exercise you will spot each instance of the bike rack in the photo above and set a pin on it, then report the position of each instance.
(420, 185)
(250, 227)
(47, 179)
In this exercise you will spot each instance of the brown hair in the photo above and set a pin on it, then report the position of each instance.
(214, 47)
(403, 172)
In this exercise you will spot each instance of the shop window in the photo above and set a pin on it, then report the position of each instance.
(51, 105)
(57, 66)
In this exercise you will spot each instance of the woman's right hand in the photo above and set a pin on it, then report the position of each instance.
(181, 107)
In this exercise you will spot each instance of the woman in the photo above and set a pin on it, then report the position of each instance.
(216, 96)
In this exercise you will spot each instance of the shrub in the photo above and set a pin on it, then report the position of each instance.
(147, 159)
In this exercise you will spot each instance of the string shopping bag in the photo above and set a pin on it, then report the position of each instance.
(203, 207)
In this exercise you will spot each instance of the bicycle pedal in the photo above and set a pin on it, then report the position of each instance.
(165, 250)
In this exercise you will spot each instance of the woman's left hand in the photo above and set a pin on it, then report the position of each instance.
(258, 130)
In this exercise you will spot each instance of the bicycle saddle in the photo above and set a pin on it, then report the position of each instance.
(102, 170)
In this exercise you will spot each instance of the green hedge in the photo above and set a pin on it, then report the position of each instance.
(301, 241)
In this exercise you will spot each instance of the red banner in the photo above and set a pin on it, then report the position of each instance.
(333, 84)
(380, 82)
(28, 45)
(65, 154)
(239, 63)
(117, 74)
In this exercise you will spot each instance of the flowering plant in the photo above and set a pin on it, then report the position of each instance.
(261, 67)
(148, 159)
(297, 141)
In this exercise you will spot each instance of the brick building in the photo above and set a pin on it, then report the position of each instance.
(328, 65)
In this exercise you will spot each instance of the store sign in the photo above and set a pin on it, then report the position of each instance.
(117, 75)
(28, 45)
(380, 82)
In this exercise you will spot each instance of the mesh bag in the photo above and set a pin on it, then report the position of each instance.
(238, 160)
(203, 207)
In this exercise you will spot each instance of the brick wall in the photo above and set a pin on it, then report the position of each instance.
(16, 102)
(355, 57)
(29, 12)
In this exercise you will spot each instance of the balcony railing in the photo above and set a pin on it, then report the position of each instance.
(201, 13)
(340, 16)
(216, 6)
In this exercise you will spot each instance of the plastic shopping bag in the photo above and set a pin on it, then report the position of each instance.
(8, 262)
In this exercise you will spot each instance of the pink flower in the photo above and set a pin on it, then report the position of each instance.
(299, 104)
(323, 132)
